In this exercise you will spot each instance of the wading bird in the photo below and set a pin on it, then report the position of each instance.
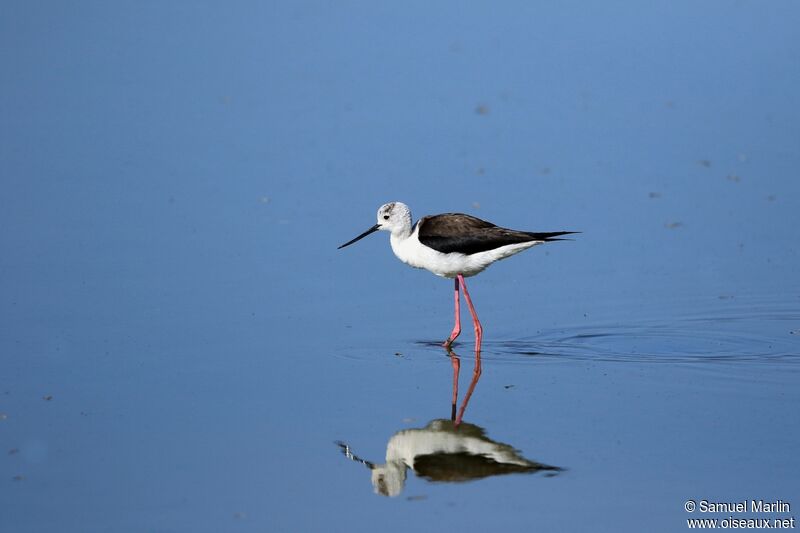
(452, 245)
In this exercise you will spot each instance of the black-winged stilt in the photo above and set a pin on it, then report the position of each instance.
(452, 245)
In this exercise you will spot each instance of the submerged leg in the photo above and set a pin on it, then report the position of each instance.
(475, 321)
(457, 328)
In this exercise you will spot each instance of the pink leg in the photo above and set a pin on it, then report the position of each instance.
(475, 321)
(457, 328)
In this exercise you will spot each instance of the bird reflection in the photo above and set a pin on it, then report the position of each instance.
(446, 450)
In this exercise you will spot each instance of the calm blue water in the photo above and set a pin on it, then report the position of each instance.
(182, 345)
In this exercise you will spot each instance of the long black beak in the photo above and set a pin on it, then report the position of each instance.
(373, 229)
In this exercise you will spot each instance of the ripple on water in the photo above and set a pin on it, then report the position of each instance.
(754, 331)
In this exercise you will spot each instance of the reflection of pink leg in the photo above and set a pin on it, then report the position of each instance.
(475, 321)
(457, 328)
(476, 374)
(456, 367)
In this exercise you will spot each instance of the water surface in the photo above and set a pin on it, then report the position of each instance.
(183, 346)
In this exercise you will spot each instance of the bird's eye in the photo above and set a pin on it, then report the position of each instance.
(385, 217)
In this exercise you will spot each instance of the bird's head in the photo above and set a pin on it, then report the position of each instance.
(394, 217)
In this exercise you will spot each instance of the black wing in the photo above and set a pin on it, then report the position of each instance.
(465, 234)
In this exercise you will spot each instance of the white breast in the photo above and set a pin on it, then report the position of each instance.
(412, 252)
